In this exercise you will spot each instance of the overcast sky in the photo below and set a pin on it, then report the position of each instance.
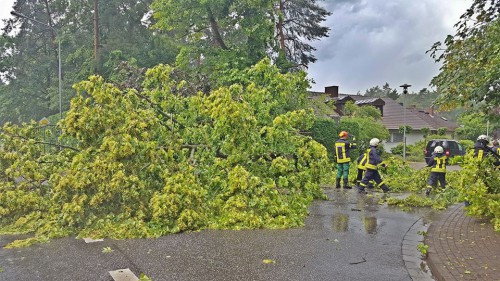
(375, 41)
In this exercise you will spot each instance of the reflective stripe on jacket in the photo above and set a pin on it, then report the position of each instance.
(496, 149)
(479, 150)
(342, 148)
(373, 158)
(438, 163)
(362, 160)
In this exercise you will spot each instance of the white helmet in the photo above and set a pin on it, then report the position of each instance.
(438, 149)
(374, 142)
(483, 138)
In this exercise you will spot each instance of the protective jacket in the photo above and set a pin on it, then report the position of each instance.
(480, 150)
(496, 149)
(373, 158)
(342, 148)
(438, 163)
(362, 160)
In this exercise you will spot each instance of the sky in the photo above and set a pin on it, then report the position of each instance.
(372, 42)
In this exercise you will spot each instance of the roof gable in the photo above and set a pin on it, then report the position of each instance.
(394, 117)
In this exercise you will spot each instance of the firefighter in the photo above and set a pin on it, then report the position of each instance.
(437, 162)
(342, 148)
(373, 160)
(481, 150)
(362, 160)
(481, 147)
(496, 147)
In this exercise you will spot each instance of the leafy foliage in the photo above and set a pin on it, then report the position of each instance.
(479, 185)
(470, 75)
(325, 131)
(442, 131)
(296, 20)
(29, 58)
(149, 163)
(472, 124)
(475, 182)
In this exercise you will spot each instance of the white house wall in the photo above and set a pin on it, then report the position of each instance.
(411, 138)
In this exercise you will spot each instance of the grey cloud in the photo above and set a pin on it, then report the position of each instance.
(376, 41)
(348, 5)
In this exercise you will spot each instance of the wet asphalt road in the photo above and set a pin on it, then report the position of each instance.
(348, 237)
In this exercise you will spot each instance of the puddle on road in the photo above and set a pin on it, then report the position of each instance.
(341, 222)
(348, 211)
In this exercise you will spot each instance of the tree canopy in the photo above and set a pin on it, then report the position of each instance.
(120, 38)
(470, 75)
(29, 51)
(143, 164)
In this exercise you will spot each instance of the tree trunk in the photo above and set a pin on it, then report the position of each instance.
(96, 37)
(215, 29)
(53, 34)
(279, 26)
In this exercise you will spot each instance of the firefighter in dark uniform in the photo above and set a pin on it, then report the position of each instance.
(496, 147)
(362, 160)
(481, 147)
(437, 162)
(481, 150)
(342, 148)
(372, 169)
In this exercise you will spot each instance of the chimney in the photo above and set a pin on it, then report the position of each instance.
(431, 110)
(332, 91)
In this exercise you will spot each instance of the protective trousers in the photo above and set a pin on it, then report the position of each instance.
(436, 177)
(372, 175)
(342, 171)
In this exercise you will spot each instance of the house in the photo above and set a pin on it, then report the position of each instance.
(394, 115)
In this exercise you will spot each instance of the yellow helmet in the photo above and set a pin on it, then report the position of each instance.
(343, 134)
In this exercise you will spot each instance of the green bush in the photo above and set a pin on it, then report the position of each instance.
(325, 131)
(398, 149)
(442, 131)
(467, 144)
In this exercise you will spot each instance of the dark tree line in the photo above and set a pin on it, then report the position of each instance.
(118, 39)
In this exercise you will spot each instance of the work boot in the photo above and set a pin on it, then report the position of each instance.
(337, 184)
(346, 185)
(427, 192)
(385, 188)
(361, 189)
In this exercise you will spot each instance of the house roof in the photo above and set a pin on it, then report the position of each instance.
(393, 112)
(394, 117)
(373, 101)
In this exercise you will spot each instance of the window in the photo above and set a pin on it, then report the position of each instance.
(396, 137)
